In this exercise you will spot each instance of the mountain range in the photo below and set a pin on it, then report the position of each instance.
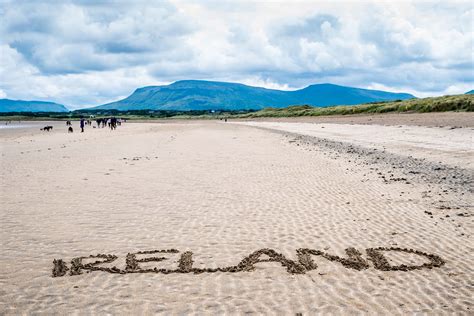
(7, 105)
(210, 95)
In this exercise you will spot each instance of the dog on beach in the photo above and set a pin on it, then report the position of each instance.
(46, 128)
(70, 130)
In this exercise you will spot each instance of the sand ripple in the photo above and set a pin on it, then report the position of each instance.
(222, 192)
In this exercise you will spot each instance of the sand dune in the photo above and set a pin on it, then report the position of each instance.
(222, 192)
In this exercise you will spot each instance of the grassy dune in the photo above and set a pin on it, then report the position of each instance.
(436, 104)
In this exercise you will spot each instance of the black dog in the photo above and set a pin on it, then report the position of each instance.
(46, 128)
(70, 130)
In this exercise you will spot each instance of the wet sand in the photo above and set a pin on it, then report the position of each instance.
(208, 200)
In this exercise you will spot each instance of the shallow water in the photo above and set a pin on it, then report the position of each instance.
(15, 129)
(16, 125)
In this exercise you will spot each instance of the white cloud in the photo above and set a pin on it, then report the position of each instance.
(84, 53)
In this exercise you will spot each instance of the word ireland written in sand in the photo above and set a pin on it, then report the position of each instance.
(304, 262)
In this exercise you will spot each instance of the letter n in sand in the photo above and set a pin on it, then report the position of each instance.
(354, 258)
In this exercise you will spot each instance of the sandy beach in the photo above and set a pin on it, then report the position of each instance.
(264, 217)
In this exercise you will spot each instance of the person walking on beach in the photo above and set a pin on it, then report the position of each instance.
(113, 123)
(82, 125)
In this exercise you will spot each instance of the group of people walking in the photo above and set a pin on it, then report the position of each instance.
(111, 122)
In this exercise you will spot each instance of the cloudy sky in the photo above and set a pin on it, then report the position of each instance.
(83, 53)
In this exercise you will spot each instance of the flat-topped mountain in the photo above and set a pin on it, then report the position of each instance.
(7, 105)
(209, 95)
